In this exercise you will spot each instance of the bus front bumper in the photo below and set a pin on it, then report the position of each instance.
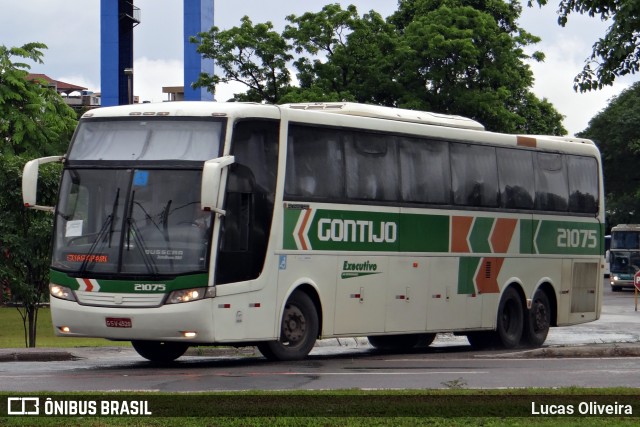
(618, 282)
(190, 321)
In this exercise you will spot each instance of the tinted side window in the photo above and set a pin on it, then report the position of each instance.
(315, 165)
(552, 191)
(474, 175)
(249, 201)
(583, 184)
(515, 171)
(371, 167)
(425, 171)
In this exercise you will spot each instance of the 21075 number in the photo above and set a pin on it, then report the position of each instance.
(149, 287)
(574, 238)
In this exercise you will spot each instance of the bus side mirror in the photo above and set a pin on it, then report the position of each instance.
(211, 178)
(30, 182)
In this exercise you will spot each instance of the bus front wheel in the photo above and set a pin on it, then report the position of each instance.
(160, 351)
(298, 330)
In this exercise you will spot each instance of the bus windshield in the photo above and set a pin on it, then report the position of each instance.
(131, 221)
(625, 262)
(625, 240)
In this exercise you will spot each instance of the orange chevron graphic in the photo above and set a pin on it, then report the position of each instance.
(301, 235)
(502, 234)
(460, 226)
(487, 276)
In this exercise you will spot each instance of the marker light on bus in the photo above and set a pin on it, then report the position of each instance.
(61, 292)
(188, 295)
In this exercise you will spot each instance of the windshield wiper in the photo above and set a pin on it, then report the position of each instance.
(113, 214)
(107, 225)
(131, 226)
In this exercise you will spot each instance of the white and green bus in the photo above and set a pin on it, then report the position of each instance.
(183, 224)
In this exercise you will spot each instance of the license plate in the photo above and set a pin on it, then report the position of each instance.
(118, 322)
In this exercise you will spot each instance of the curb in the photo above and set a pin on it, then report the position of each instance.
(35, 355)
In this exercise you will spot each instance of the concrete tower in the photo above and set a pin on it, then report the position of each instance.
(117, 20)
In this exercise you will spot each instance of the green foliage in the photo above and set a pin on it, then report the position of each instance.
(615, 131)
(33, 118)
(449, 56)
(34, 122)
(254, 55)
(615, 54)
(25, 239)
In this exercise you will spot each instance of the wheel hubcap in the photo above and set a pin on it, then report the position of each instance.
(541, 321)
(294, 325)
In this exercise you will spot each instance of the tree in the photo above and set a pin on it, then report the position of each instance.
(615, 54)
(467, 57)
(253, 55)
(448, 56)
(25, 240)
(34, 121)
(615, 131)
(33, 117)
(350, 58)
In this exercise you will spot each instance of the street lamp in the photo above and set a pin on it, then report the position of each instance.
(129, 73)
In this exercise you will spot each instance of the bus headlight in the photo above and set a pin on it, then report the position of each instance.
(61, 292)
(188, 295)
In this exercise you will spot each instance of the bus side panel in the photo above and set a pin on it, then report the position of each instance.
(360, 294)
(406, 298)
(318, 271)
(447, 308)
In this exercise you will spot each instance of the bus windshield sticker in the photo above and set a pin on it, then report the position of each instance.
(74, 228)
(141, 178)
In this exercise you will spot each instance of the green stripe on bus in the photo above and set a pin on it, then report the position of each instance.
(342, 230)
(467, 268)
(479, 236)
(127, 286)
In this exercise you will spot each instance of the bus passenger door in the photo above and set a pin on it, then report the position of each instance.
(249, 202)
(360, 294)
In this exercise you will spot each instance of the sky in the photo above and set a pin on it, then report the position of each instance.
(71, 30)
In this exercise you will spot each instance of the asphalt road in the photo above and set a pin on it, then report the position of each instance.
(605, 353)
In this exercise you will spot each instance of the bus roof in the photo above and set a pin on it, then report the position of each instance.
(186, 108)
(390, 113)
(626, 227)
(399, 115)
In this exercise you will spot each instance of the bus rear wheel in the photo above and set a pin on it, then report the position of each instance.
(510, 319)
(160, 351)
(298, 331)
(537, 320)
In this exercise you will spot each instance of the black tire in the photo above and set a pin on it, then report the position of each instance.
(298, 331)
(482, 340)
(160, 351)
(395, 342)
(537, 321)
(510, 319)
(616, 288)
